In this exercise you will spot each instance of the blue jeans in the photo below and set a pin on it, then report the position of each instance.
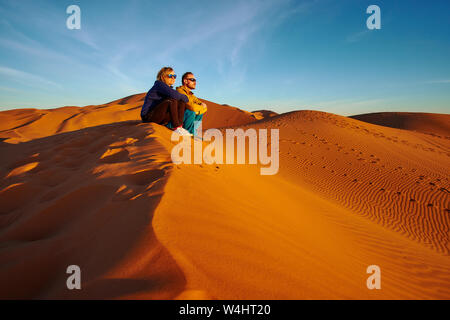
(191, 121)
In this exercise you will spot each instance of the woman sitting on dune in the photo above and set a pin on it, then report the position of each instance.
(163, 104)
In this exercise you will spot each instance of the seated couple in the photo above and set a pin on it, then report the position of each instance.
(177, 109)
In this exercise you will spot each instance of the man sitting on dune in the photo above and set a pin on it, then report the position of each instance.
(195, 108)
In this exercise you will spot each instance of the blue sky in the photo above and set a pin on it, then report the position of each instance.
(281, 55)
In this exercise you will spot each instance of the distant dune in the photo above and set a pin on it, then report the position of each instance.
(219, 116)
(432, 123)
(263, 114)
(95, 187)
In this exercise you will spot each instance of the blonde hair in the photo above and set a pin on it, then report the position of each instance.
(163, 72)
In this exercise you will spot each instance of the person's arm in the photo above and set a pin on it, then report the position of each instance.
(197, 108)
(205, 108)
(146, 104)
(200, 107)
(197, 100)
(167, 91)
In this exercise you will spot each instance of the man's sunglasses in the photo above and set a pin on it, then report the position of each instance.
(192, 79)
(172, 76)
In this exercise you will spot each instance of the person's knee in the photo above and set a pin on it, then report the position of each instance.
(189, 114)
(170, 101)
(182, 105)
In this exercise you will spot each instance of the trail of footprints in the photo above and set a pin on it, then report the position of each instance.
(431, 192)
(372, 159)
(347, 124)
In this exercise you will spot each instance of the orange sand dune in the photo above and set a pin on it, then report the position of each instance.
(264, 114)
(396, 178)
(431, 123)
(219, 116)
(26, 124)
(106, 196)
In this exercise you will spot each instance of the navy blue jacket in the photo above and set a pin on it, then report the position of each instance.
(157, 94)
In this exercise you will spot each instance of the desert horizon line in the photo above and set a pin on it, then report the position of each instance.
(241, 107)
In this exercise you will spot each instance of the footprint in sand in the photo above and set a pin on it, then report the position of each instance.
(33, 158)
(123, 143)
(124, 193)
(115, 155)
(145, 177)
(22, 169)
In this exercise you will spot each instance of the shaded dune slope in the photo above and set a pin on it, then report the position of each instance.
(85, 198)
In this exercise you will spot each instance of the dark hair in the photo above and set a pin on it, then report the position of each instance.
(185, 76)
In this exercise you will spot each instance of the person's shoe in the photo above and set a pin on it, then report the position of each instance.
(182, 132)
(187, 132)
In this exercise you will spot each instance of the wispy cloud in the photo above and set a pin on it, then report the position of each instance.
(355, 37)
(298, 8)
(27, 78)
(214, 25)
(86, 38)
(51, 25)
(33, 49)
(9, 89)
(437, 81)
(113, 65)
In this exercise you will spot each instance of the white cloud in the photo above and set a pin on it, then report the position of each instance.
(8, 89)
(437, 81)
(27, 78)
(355, 37)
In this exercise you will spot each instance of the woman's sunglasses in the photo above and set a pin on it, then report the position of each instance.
(172, 76)
(192, 79)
